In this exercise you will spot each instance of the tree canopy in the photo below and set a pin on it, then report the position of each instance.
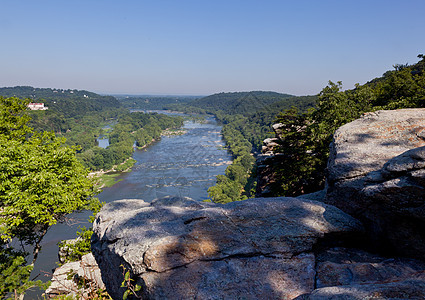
(41, 181)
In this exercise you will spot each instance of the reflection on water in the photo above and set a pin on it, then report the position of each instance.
(183, 165)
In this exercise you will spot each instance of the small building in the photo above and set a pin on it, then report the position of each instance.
(37, 106)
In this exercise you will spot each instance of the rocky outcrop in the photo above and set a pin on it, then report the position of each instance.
(355, 274)
(267, 163)
(342, 266)
(407, 289)
(267, 181)
(177, 248)
(377, 174)
(79, 279)
(287, 248)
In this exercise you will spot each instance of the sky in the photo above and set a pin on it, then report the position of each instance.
(200, 47)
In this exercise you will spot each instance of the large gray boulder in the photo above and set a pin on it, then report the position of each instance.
(376, 173)
(177, 248)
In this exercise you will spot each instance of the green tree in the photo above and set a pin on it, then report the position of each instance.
(41, 181)
(225, 190)
(305, 138)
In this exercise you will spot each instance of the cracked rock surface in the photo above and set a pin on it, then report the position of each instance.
(344, 273)
(376, 173)
(178, 248)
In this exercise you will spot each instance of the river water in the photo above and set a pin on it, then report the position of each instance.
(183, 165)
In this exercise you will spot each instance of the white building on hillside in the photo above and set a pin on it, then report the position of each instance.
(37, 106)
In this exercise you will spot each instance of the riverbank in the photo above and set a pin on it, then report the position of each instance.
(108, 178)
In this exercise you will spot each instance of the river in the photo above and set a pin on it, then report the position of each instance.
(183, 165)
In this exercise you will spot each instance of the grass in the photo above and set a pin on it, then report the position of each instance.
(126, 166)
(109, 179)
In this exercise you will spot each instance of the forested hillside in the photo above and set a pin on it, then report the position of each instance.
(244, 103)
(153, 102)
(70, 103)
(256, 126)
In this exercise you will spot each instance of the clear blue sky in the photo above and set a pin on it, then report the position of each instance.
(202, 47)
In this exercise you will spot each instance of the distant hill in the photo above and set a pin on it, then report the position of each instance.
(244, 103)
(68, 102)
(153, 102)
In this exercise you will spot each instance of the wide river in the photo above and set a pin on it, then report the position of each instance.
(183, 165)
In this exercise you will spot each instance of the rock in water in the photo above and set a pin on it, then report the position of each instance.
(178, 248)
(377, 174)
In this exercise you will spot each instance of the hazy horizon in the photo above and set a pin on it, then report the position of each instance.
(193, 47)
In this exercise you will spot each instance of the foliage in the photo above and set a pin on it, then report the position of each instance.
(234, 185)
(305, 137)
(108, 179)
(126, 165)
(15, 273)
(41, 181)
(75, 251)
(225, 190)
(86, 287)
(131, 289)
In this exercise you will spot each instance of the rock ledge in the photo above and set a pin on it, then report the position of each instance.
(179, 248)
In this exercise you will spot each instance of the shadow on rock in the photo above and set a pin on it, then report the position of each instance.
(178, 248)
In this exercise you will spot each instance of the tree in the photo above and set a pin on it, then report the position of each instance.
(305, 138)
(225, 190)
(41, 181)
